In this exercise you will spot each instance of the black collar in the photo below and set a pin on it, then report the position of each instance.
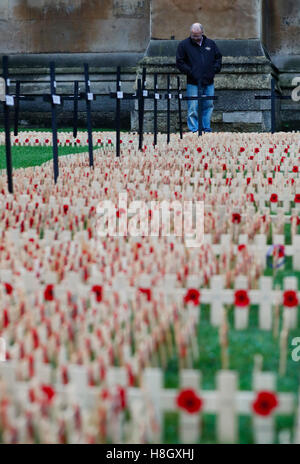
(204, 39)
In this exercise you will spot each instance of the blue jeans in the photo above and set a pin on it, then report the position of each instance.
(207, 107)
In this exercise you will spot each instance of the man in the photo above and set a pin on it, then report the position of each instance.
(200, 59)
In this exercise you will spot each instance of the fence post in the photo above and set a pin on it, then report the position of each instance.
(273, 108)
(200, 128)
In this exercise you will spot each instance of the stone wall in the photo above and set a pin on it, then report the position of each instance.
(74, 26)
(280, 35)
(222, 19)
(281, 31)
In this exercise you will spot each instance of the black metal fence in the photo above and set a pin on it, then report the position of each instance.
(141, 94)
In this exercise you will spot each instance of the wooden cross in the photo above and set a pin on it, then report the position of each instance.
(119, 95)
(54, 100)
(89, 96)
(7, 101)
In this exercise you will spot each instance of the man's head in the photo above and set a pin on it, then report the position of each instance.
(196, 31)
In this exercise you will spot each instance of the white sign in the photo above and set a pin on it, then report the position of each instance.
(119, 94)
(9, 100)
(145, 93)
(56, 99)
(90, 96)
(156, 95)
(2, 89)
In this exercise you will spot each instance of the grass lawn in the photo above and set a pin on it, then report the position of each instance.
(23, 157)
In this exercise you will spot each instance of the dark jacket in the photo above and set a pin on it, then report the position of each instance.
(199, 63)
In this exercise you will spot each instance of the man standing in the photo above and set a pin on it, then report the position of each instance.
(200, 59)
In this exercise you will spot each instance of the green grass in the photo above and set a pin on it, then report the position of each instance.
(23, 157)
(243, 346)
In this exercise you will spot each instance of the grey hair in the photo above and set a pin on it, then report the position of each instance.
(197, 27)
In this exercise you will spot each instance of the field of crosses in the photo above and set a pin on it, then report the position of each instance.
(140, 339)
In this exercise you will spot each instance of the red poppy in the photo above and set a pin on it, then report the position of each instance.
(297, 220)
(120, 211)
(31, 395)
(189, 401)
(279, 251)
(236, 218)
(241, 298)
(8, 288)
(242, 149)
(290, 299)
(64, 375)
(264, 403)
(241, 247)
(250, 197)
(49, 391)
(122, 397)
(297, 198)
(271, 150)
(274, 198)
(199, 150)
(295, 169)
(270, 180)
(192, 296)
(104, 395)
(48, 293)
(147, 292)
(6, 319)
(66, 208)
(109, 141)
(37, 141)
(97, 289)
(256, 150)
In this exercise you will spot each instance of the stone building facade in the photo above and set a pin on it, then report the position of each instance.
(258, 40)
